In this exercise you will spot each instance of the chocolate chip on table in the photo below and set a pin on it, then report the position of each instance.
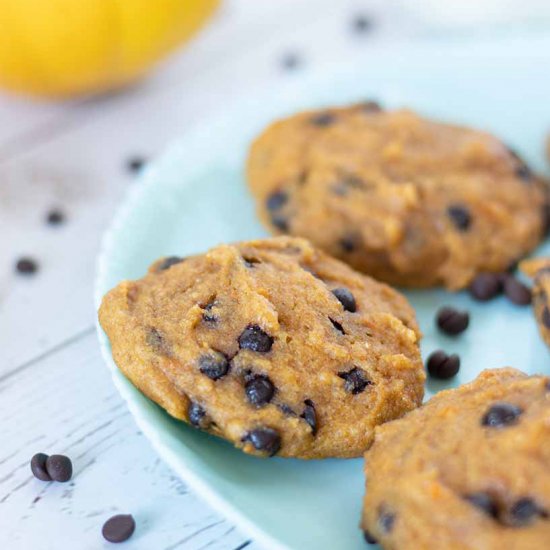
(443, 366)
(361, 24)
(255, 339)
(214, 365)
(486, 286)
(346, 298)
(355, 380)
(264, 439)
(135, 164)
(452, 321)
(516, 291)
(337, 326)
(276, 200)
(501, 415)
(38, 467)
(309, 415)
(118, 528)
(197, 416)
(460, 216)
(369, 539)
(55, 217)
(259, 390)
(291, 61)
(59, 468)
(524, 511)
(26, 266)
(323, 119)
(485, 502)
(168, 262)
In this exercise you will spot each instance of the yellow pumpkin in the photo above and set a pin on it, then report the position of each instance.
(69, 47)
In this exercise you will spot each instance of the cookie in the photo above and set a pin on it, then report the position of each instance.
(539, 270)
(468, 470)
(410, 201)
(269, 344)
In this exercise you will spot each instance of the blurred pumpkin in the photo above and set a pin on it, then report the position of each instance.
(70, 47)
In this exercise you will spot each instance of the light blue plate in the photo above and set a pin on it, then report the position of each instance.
(195, 197)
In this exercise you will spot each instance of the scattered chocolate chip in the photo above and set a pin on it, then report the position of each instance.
(197, 416)
(26, 266)
(443, 366)
(337, 326)
(214, 365)
(280, 222)
(251, 262)
(486, 286)
(255, 339)
(460, 216)
(276, 200)
(500, 415)
(361, 24)
(118, 528)
(259, 390)
(323, 119)
(545, 317)
(371, 107)
(386, 521)
(355, 380)
(369, 539)
(38, 467)
(346, 298)
(59, 468)
(310, 416)
(264, 439)
(168, 262)
(291, 61)
(516, 291)
(524, 511)
(484, 502)
(135, 164)
(452, 321)
(55, 217)
(348, 243)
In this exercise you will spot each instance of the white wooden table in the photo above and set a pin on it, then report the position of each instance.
(56, 395)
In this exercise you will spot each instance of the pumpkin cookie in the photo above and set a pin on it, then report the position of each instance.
(539, 269)
(468, 470)
(407, 200)
(270, 344)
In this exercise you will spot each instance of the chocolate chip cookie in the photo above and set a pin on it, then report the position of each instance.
(539, 270)
(410, 201)
(270, 344)
(468, 470)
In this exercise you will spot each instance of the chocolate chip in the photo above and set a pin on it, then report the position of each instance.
(460, 216)
(214, 365)
(168, 262)
(355, 380)
(197, 416)
(501, 415)
(452, 321)
(286, 409)
(337, 326)
(59, 468)
(208, 316)
(26, 266)
(545, 317)
(309, 415)
(251, 262)
(55, 217)
(369, 539)
(118, 528)
(323, 119)
(524, 511)
(259, 390)
(443, 366)
(371, 107)
(386, 521)
(276, 200)
(361, 24)
(291, 61)
(264, 439)
(38, 467)
(484, 502)
(280, 222)
(346, 298)
(348, 243)
(516, 291)
(486, 286)
(255, 339)
(135, 164)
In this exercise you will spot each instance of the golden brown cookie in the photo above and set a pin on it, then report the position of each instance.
(539, 270)
(467, 471)
(407, 200)
(270, 344)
